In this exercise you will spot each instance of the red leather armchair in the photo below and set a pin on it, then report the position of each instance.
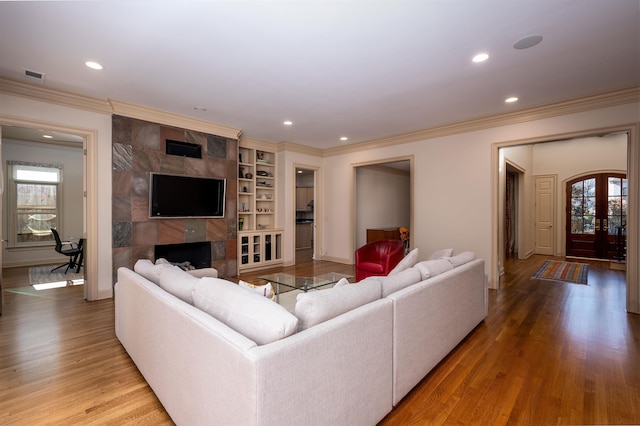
(378, 258)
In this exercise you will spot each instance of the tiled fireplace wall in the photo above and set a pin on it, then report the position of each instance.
(138, 149)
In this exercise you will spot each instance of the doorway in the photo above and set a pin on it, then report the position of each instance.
(305, 214)
(596, 212)
(28, 244)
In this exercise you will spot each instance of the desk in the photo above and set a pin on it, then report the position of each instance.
(382, 234)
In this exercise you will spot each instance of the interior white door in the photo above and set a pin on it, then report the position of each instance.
(545, 196)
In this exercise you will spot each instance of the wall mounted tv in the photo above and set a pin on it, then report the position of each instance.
(186, 196)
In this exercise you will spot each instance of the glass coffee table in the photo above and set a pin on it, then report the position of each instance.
(302, 283)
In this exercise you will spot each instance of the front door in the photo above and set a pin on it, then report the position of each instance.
(597, 216)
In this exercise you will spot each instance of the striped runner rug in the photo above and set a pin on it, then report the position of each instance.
(570, 272)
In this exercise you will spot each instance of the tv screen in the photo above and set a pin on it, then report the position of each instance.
(186, 196)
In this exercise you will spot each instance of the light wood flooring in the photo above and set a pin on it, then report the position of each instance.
(548, 353)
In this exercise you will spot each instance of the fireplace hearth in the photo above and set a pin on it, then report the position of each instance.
(197, 254)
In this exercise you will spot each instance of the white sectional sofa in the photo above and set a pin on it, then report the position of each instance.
(347, 356)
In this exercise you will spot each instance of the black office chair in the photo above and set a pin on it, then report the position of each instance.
(74, 253)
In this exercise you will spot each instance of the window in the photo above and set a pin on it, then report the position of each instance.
(34, 203)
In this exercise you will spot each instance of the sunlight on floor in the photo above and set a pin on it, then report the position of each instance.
(58, 284)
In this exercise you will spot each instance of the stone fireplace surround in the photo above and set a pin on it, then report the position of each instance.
(138, 148)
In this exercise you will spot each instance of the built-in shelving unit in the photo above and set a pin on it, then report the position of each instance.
(260, 242)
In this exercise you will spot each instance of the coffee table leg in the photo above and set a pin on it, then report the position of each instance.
(277, 291)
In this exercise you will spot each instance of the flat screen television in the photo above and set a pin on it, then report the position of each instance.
(186, 196)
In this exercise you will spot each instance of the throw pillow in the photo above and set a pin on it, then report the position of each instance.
(263, 290)
(396, 282)
(341, 282)
(407, 262)
(438, 254)
(177, 282)
(431, 268)
(147, 269)
(318, 306)
(246, 312)
(203, 272)
(461, 258)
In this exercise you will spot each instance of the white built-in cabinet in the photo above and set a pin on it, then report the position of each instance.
(259, 240)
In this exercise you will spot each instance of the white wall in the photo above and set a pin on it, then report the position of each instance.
(70, 159)
(382, 201)
(453, 183)
(23, 111)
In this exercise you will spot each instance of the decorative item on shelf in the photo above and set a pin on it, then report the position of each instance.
(260, 155)
(241, 172)
(240, 223)
(261, 226)
(269, 196)
(248, 176)
(240, 158)
(244, 189)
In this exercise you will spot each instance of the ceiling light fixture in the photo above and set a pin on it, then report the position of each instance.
(480, 57)
(511, 100)
(287, 123)
(47, 136)
(197, 108)
(527, 42)
(93, 65)
(344, 138)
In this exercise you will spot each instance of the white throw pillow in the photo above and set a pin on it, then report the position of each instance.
(431, 268)
(461, 258)
(203, 272)
(162, 261)
(318, 306)
(438, 254)
(147, 269)
(341, 282)
(175, 281)
(396, 282)
(263, 290)
(407, 262)
(246, 312)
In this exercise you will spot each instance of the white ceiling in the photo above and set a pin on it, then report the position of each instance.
(361, 69)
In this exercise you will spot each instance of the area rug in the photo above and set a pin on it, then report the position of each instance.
(570, 272)
(41, 277)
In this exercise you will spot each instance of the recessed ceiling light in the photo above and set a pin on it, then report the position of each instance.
(197, 108)
(93, 65)
(480, 57)
(344, 138)
(287, 123)
(527, 42)
(511, 99)
(47, 136)
(299, 171)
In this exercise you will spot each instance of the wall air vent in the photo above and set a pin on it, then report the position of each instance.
(34, 76)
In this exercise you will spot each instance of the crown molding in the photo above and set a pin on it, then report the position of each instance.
(300, 149)
(13, 87)
(167, 118)
(605, 100)
(112, 106)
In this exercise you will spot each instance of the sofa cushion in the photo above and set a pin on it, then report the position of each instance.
(248, 313)
(439, 254)
(265, 290)
(396, 282)
(203, 272)
(318, 306)
(461, 258)
(431, 268)
(407, 262)
(147, 269)
(177, 282)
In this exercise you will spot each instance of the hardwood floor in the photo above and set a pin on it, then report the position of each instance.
(548, 353)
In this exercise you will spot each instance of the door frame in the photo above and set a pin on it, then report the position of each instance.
(90, 199)
(633, 176)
